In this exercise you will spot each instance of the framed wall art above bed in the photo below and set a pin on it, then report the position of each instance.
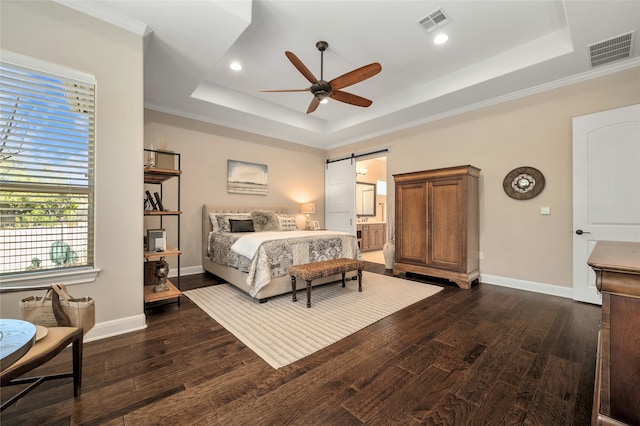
(247, 178)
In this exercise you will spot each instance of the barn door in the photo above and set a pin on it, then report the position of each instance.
(340, 196)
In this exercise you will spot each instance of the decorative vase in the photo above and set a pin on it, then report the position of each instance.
(389, 252)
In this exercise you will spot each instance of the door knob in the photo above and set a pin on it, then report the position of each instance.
(580, 232)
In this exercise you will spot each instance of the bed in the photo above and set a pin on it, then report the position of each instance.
(257, 262)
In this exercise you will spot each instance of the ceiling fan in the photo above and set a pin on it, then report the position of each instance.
(322, 89)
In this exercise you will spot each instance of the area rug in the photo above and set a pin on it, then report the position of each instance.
(281, 331)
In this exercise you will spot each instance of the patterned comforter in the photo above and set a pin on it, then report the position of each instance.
(273, 258)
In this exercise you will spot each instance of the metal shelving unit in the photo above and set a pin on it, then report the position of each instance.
(161, 176)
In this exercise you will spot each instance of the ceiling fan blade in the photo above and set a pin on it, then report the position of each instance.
(355, 76)
(284, 90)
(313, 105)
(350, 98)
(301, 67)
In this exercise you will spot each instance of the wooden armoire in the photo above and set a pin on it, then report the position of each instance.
(437, 224)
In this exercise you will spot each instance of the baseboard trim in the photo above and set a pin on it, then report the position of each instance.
(115, 327)
(552, 290)
(189, 270)
(126, 325)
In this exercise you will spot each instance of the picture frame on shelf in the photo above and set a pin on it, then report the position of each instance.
(156, 240)
(316, 225)
(165, 159)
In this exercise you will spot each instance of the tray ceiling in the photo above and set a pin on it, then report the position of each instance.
(497, 50)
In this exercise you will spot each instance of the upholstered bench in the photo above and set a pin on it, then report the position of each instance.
(325, 268)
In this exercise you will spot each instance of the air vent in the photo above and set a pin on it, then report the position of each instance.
(434, 20)
(614, 49)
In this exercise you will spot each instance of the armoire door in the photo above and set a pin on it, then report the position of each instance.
(446, 223)
(411, 222)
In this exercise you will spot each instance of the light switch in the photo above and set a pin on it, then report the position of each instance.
(545, 210)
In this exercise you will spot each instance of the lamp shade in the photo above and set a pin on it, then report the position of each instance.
(308, 208)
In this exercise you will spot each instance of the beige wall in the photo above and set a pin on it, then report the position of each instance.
(517, 242)
(48, 31)
(296, 172)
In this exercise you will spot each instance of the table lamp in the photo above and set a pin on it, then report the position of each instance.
(307, 209)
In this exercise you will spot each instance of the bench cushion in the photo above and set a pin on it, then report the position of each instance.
(325, 268)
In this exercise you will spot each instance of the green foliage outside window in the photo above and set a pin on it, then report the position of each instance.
(21, 210)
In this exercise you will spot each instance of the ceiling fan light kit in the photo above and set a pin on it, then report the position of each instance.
(322, 90)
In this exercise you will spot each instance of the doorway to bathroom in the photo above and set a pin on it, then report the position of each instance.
(371, 207)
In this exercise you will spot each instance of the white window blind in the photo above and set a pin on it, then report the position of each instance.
(47, 126)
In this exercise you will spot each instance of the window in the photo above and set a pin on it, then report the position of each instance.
(46, 173)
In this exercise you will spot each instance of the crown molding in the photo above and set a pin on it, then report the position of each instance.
(109, 16)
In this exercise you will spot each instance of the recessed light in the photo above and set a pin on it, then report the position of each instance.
(235, 66)
(441, 38)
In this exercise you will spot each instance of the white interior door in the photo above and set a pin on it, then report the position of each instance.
(606, 198)
(340, 196)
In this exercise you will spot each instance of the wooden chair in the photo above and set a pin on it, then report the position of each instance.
(44, 350)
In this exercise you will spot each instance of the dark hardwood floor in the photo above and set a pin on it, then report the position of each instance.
(485, 356)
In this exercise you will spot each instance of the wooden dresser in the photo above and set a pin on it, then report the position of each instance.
(616, 398)
(437, 224)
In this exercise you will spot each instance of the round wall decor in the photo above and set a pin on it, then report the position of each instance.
(523, 183)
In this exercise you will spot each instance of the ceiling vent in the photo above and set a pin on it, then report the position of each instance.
(434, 20)
(614, 49)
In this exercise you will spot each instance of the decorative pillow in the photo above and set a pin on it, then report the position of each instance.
(287, 222)
(214, 222)
(241, 225)
(265, 221)
(220, 221)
